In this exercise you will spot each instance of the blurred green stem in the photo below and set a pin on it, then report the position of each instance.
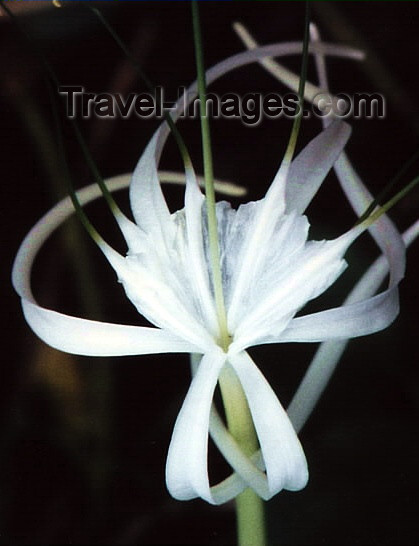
(98, 409)
(251, 529)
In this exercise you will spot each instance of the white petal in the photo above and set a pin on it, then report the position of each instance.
(310, 167)
(299, 277)
(93, 338)
(359, 319)
(160, 295)
(187, 468)
(250, 255)
(286, 466)
(147, 202)
(233, 228)
(249, 469)
(197, 262)
(281, 449)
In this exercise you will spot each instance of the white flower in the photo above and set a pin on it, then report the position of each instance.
(270, 270)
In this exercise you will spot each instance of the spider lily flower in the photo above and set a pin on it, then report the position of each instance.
(270, 270)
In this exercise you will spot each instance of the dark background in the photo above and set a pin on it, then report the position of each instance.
(84, 441)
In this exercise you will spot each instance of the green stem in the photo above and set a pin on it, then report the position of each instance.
(249, 506)
(303, 76)
(209, 184)
(390, 203)
(387, 188)
(250, 515)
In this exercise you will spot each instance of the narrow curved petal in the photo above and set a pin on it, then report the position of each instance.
(234, 484)
(31, 244)
(281, 72)
(71, 334)
(40, 232)
(328, 354)
(249, 470)
(358, 319)
(283, 456)
(383, 231)
(147, 201)
(310, 167)
(250, 475)
(186, 471)
(187, 467)
(92, 338)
